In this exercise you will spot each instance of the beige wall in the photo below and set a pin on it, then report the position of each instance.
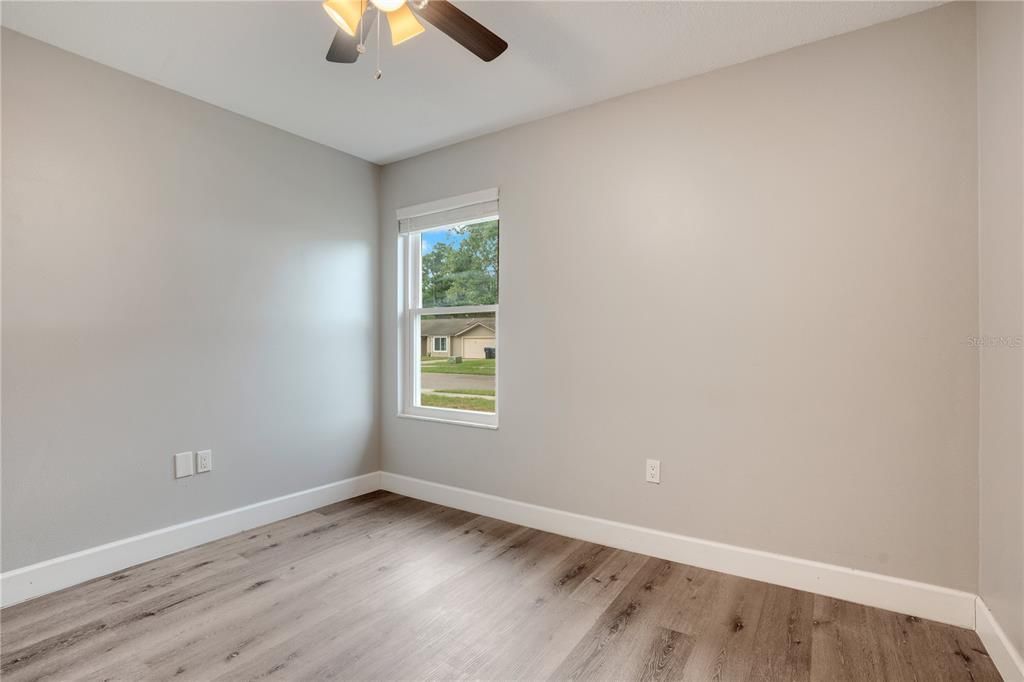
(175, 277)
(803, 228)
(1001, 254)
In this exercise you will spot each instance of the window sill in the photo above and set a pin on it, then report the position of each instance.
(448, 420)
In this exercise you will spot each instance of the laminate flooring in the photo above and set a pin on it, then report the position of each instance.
(387, 587)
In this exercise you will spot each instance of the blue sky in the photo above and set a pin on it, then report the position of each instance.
(432, 237)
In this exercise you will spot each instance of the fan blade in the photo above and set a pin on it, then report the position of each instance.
(463, 29)
(343, 47)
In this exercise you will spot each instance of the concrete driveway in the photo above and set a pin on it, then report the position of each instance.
(434, 381)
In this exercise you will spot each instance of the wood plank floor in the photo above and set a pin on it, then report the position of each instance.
(388, 587)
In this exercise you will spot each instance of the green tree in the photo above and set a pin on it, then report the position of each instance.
(466, 274)
(436, 279)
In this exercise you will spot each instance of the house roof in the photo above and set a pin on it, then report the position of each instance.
(454, 326)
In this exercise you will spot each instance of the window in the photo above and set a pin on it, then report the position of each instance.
(449, 310)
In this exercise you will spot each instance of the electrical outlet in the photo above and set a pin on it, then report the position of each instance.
(204, 461)
(183, 464)
(654, 471)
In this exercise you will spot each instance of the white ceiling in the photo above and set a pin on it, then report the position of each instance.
(265, 60)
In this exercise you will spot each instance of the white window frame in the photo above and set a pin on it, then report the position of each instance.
(440, 350)
(410, 312)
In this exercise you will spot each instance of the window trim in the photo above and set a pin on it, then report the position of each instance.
(440, 350)
(409, 315)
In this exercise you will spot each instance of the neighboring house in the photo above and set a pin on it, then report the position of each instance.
(465, 337)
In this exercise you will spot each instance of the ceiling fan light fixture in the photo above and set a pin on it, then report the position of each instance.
(345, 13)
(353, 16)
(388, 5)
(404, 25)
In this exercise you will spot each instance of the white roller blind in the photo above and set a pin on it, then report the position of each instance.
(460, 209)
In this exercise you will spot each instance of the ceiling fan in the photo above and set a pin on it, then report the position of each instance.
(355, 18)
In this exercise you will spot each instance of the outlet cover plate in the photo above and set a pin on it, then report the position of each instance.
(183, 464)
(654, 471)
(204, 461)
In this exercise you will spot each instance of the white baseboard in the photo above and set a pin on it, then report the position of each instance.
(896, 594)
(872, 589)
(64, 571)
(1004, 654)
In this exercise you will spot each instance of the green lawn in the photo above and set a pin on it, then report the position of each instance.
(466, 391)
(456, 403)
(481, 367)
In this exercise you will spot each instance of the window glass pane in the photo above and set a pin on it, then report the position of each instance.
(461, 377)
(460, 265)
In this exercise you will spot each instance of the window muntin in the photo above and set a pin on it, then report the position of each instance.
(450, 322)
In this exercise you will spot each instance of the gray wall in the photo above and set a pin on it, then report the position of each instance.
(1001, 254)
(795, 240)
(175, 277)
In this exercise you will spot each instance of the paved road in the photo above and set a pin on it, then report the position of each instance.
(431, 380)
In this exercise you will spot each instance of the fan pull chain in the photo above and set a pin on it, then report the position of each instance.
(380, 19)
(361, 45)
